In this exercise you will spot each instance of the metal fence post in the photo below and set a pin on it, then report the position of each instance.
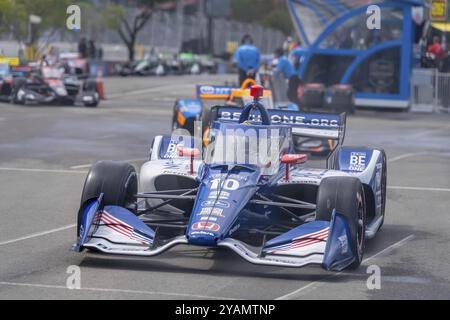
(436, 90)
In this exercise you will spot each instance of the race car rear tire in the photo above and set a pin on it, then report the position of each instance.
(116, 180)
(346, 195)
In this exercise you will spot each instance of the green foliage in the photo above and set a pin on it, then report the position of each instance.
(128, 26)
(268, 13)
(5, 14)
(52, 12)
(114, 16)
(280, 20)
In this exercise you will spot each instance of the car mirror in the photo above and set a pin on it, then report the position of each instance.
(294, 158)
(188, 152)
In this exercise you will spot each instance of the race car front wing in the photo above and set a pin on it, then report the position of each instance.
(115, 230)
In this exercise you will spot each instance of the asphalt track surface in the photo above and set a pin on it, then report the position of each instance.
(45, 153)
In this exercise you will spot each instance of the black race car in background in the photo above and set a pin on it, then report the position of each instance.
(50, 85)
(152, 65)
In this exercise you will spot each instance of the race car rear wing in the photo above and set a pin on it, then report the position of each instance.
(207, 92)
(315, 125)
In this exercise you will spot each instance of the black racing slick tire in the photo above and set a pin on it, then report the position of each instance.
(346, 195)
(116, 180)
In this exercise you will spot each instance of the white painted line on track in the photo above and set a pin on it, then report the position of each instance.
(138, 292)
(36, 235)
(430, 131)
(394, 246)
(146, 91)
(83, 166)
(42, 170)
(418, 189)
(133, 93)
(405, 156)
(87, 166)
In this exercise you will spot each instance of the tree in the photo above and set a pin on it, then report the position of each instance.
(5, 14)
(52, 12)
(128, 23)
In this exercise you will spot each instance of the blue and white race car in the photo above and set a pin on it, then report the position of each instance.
(247, 192)
(188, 113)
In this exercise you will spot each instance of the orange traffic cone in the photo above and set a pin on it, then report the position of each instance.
(100, 86)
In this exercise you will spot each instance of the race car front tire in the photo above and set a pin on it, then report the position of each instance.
(346, 195)
(118, 183)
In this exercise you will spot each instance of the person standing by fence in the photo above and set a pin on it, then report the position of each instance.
(284, 67)
(297, 56)
(248, 59)
(82, 48)
(92, 50)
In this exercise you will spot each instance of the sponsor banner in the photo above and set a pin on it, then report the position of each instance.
(208, 219)
(221, 195)
(205, 226)
(287, 117)
(358, 161)
(202, 233)
(214, 92)
(217, 204)
(217, 212)
(354, 160)
(439, 10)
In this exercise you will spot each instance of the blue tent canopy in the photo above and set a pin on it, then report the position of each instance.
(342, 49)
(312, 16)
